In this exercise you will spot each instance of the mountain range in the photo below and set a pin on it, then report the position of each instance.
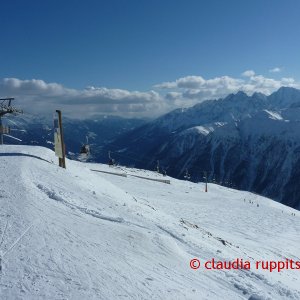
(248, 142)
(38, 130)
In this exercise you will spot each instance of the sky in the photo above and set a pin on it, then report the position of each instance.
(138, 58)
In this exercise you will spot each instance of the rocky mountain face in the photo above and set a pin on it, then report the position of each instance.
(248, 142)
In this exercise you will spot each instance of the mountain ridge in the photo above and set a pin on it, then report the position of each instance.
(234, 120)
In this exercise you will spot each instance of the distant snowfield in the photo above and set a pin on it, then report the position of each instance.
(79, 234)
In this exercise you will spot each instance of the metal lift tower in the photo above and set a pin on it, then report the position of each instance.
(6, 108)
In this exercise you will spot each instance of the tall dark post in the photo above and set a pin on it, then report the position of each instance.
(205, 177)
(62, 161)
(1, 131)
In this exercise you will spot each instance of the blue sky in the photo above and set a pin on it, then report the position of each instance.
(136, 45)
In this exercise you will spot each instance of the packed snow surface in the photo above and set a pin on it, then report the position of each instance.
(82, 234)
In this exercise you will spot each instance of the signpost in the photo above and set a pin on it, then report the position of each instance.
(59, 145)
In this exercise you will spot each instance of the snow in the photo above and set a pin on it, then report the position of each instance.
(203, 130)
(273, 115)
(80, 234)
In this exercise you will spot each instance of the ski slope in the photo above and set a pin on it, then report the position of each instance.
(81, 234)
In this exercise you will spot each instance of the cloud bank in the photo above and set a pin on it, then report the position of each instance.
(193, 89)
(38, 96)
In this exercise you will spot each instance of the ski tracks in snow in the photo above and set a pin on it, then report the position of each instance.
(54, 196)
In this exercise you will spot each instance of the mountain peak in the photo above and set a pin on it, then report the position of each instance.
(286, 88)
(286, 91)
(284, 97)
(258, 95)
(241, 93)
(238, 95)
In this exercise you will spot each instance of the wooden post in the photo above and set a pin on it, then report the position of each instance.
(1, 132)
(62, 161)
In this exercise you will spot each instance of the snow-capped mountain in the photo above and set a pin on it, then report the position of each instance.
(250, 142)
(35, 130)
(77, 234)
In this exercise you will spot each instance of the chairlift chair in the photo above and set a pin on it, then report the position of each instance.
(85, 148)
(187, 176)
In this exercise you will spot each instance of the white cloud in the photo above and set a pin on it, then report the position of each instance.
(275, 70)
(38, 96)
(248, 73)
(189, 82)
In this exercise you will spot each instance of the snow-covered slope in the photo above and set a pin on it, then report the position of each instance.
(81, 234)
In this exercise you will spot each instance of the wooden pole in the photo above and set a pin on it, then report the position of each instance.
(1, 132)
(62, 161)
(205, 176)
